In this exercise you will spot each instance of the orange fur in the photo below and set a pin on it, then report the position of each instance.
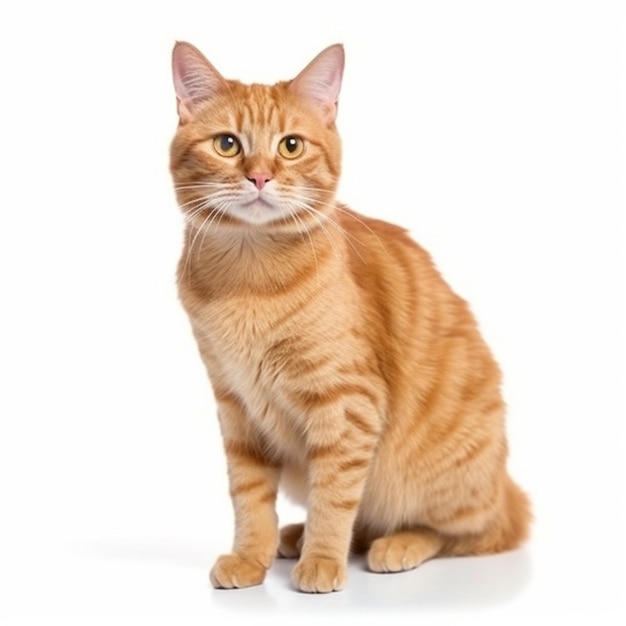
(345, 369)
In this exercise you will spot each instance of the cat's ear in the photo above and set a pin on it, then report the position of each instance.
(195, 79)
(320, 81)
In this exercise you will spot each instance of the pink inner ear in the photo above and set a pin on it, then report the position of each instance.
(195, 79)
(320, 80)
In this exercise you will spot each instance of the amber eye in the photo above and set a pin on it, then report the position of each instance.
(291, 147)
(227, 145)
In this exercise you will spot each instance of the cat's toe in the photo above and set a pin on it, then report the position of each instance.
(317, 575)
(401, 552)
(232, 571)
(290, 544)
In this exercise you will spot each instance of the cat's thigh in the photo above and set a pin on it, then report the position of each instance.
(404, 550)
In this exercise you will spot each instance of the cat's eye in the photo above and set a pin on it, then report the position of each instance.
(227, 145)
(291, 147)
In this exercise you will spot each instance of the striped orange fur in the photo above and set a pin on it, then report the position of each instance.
(345, 370)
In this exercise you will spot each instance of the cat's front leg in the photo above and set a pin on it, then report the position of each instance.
(337, 475)
(253, 484)
(253, 488)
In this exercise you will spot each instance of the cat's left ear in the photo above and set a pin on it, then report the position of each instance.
(320, 81)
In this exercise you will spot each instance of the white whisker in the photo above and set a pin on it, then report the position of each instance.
(209, 207)
(334, 205)
(305, 231)
(193, 241)
(306, 203)
(218, 213)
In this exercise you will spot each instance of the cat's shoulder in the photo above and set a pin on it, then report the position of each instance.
(360, 225)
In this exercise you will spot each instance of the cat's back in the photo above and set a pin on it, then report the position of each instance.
(425, 336)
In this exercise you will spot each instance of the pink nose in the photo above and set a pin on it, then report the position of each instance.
(259, 179)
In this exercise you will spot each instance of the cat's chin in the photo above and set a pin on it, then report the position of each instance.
(257, 213)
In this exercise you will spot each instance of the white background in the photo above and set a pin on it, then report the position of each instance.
(491, 129)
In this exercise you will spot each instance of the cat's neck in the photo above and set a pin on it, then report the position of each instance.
(256, 261)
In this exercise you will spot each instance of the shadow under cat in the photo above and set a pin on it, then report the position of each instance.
(452, 584)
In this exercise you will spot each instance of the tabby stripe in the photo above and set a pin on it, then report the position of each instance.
(315, 399)
(362, 368)
(307, 366)
(317, 452)
(473, 452)
(247, 487)
(481, 508)
(243, 452)
(353, 464)
(348, 473)
(186, 154)
(270, 290)
(296, 310)
(226, 396)
(358, 422)
(347, 477)
(344, 505)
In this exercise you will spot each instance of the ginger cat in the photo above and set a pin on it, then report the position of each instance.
(344, 368)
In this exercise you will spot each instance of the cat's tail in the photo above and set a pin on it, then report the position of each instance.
(507, 531)
(516, 518)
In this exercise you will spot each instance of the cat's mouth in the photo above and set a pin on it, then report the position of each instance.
(258, 202)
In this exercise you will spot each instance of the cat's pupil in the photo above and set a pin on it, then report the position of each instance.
(291, 143)
(227, 143)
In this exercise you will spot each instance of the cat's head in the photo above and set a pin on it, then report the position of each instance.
(256, 156)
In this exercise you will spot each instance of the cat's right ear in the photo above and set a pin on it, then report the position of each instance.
(195, 79)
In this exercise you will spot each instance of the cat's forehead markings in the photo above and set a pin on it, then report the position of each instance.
(260, 125)
(257, 116)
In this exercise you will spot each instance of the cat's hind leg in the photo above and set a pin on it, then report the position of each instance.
(404, 550)
(290, 542)
(506, 531)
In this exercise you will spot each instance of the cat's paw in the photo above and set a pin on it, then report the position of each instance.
(402, 551)
(316, 575)
(290, 544)
(232, 571)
